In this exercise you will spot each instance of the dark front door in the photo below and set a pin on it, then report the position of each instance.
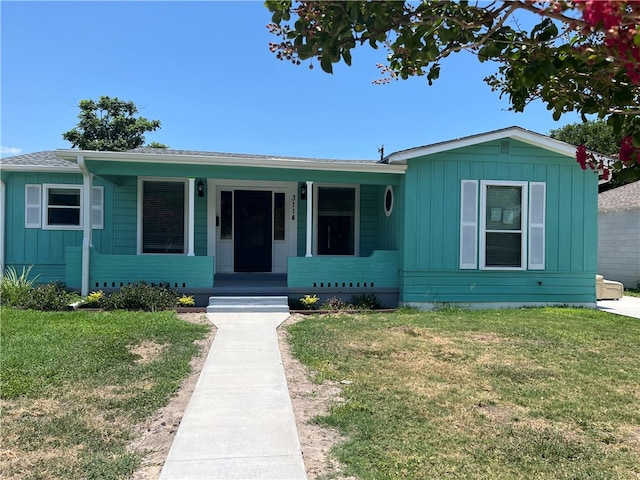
(252, 235)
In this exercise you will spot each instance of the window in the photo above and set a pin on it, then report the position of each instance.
(503, 213)
(63, 206)
(510, 230)
(59, 207)
(336, 220)
(278, 216)
(163, 217)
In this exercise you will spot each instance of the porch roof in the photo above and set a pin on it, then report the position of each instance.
(197, 158)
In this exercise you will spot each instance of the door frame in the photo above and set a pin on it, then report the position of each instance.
(281, 249)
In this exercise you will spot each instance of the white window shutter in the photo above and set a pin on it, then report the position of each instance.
(469, 225)
(33, 206)
(537, 205)
(97, 208)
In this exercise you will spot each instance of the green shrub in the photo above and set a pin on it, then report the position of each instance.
(94, 300)
(15, 288)
(186, 301)
(335, 303)
(52, 297)
(365, 302)
(309, 302)
(142, 296)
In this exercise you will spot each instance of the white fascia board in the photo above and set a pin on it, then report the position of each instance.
(258, 162)
(40, 168)
(515, 133)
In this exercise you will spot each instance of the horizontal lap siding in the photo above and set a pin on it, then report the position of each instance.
(478, 287)
(430, 266)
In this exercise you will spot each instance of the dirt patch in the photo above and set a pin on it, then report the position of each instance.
(154, 437)
(309, 400)
(148, 351)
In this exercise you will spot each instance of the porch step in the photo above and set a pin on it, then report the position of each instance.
(248, 304)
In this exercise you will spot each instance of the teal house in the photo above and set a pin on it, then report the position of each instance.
(504, 218)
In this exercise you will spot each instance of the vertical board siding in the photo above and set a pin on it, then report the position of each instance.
(432, 226)
(44, 249)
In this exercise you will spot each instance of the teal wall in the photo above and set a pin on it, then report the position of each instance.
(113, 271)
(44, 249)
(430, 260)
(377, 231)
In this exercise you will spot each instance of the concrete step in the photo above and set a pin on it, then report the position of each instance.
(248, 304)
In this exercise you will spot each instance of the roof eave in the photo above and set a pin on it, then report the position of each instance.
(41, 168)
(258, 162)
(515, 133)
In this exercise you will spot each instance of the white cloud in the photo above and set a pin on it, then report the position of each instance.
(10, 150)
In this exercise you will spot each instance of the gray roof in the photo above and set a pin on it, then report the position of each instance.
(47, 158)
(621, 198)
(170, 151)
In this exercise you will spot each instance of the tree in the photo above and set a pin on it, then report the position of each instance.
(598, 136)
(156, 145)
(109, 124)
(580, 55)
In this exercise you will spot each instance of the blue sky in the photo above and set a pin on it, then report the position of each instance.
(205, 71)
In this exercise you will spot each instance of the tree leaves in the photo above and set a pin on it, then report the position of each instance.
(560, 59)
(109, 124)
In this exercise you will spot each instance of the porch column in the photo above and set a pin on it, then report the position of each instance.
(309, 217)
(192, 215)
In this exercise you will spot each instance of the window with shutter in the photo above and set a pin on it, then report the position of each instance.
(33, 206)
(469, 225)
(537, 206)
(97, 208)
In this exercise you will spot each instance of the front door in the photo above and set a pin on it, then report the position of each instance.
(253, 236)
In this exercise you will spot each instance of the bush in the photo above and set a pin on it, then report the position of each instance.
(335, 303)
(94, 300)
(15, 288)
(49, 297)
(365, 302)
(142, 296)
(186, 301)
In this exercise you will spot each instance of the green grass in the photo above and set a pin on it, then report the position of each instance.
(632, 292)
(534, 393)
(74, 384)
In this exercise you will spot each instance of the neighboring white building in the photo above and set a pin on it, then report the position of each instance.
(619, 234)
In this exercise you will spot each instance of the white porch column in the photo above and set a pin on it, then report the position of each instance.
(309, 217)
(192, 215)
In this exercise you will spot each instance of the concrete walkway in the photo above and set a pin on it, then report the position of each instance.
(627, 306)
(239, 423)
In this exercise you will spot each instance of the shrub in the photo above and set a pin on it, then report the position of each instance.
(94, 300)
(142, 296)
(186, 301)
(335, 303)
(365, 302)
(15, 288)
(295, 304)
(309, 302)
(49, 297)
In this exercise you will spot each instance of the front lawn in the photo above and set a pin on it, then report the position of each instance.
(548, 393)
(74, 384)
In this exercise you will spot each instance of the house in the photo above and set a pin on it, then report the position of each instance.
(504, 218)
(619, 234)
